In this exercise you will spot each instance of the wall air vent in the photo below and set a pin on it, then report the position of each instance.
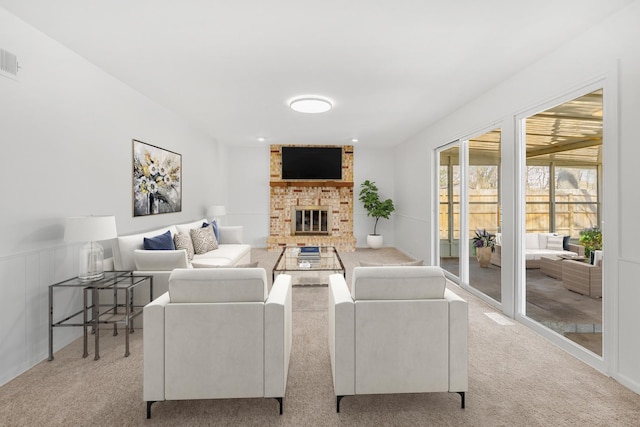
(8, 64)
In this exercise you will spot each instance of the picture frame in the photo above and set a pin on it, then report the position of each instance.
(157, 180)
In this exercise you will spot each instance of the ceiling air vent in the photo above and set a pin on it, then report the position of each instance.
(8, 64)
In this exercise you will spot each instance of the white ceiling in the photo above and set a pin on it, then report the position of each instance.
(391, 67)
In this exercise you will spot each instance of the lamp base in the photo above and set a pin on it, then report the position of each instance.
(90, 266)
(91, 278)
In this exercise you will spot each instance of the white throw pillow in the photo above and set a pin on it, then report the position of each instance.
(555, 243)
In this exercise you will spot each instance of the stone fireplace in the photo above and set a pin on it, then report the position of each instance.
(311, 212)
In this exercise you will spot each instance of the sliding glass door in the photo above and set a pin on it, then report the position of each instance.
(469, 202)
(449, 208)
(562, 198)
(483, 210)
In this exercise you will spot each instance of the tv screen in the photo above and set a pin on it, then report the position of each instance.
(311, 163)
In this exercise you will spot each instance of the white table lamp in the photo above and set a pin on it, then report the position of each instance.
(90, 229)
(216, 211)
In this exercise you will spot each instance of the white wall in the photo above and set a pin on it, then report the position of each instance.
(248, 192)
(413, 180)
(609, 51)
(66, 131)
(374, 164)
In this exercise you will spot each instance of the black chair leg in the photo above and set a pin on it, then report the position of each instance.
(149, 403)
(279, 399)
(338, 399)
(461, 393)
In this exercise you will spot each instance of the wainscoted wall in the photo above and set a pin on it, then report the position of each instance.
(67, 128)
(24, 321)
(628, 300)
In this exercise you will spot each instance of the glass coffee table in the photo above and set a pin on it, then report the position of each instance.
(309, 265)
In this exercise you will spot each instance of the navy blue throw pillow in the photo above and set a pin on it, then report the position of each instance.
(565, 242)
(162, 242)
(214, 224)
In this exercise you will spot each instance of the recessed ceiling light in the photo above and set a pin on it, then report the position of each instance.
(310, 104)
(354, 140)
(262, 139)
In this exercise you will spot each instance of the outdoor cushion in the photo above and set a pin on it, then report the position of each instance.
(531, 241)
(555, 243)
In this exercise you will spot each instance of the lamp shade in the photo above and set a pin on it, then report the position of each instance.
(216, 211)
(90, 228)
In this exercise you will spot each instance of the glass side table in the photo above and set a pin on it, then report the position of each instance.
(116, 311)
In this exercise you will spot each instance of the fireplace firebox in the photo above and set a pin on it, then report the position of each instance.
(310, 220)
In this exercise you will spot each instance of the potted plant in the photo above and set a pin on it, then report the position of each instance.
(376, 208)
(485, 243)
(591, 239)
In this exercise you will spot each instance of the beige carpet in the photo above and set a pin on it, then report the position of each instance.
(516, 378)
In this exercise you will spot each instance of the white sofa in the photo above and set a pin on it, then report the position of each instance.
(538, 245)
(399, 330)
(129, 255)
(218, 334)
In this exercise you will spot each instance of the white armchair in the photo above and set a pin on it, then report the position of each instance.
(217, 334)
(398, 331)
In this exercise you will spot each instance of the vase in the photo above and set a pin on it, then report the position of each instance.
(483, 255)
(152, 207)
(375, 241)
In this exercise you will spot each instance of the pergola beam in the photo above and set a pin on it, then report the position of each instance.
(559, 148)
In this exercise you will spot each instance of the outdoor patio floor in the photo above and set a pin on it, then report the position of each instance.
(577, 317)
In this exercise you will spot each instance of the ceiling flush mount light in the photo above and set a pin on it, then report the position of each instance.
(310, 105)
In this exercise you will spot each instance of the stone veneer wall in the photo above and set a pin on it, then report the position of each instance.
(336, 195)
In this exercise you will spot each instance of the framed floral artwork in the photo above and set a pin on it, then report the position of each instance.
(157, 180)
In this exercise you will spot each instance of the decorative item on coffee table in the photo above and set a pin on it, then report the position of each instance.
(309, 267)
(485, 243)
(308, 255)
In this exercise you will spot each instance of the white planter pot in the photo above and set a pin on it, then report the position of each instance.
(375, 241)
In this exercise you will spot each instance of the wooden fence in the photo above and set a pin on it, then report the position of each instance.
(573, 212)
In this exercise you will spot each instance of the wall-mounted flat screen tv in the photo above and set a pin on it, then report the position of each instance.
(311, 162)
